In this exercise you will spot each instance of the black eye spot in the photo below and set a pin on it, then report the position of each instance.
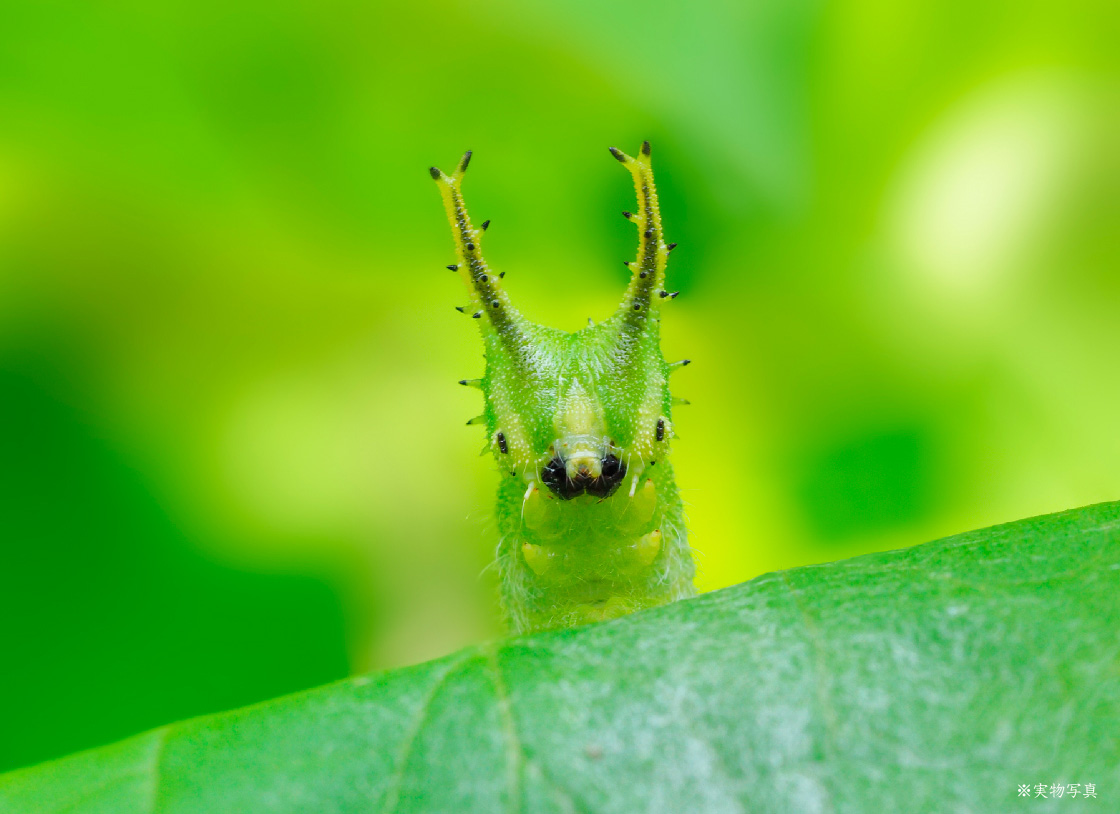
(470, 247)
(555, 476)
(613, 472)
(661, 429)
(494, 303)
(612, 467)
(484, 278)
(502, 445)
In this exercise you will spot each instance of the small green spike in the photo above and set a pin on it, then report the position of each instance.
(590, 518)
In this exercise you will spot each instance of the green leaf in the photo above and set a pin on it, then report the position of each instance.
(937, 678)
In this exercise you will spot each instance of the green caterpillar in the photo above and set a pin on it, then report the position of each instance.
(591, 522)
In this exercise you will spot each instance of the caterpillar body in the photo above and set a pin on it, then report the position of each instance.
(588, 510)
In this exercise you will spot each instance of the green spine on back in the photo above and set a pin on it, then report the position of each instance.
(591, 522)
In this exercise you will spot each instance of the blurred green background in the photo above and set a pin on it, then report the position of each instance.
(232, 454)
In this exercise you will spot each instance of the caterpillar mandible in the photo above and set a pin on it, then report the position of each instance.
(590, 518)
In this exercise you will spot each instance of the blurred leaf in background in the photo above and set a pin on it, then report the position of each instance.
(232, 452)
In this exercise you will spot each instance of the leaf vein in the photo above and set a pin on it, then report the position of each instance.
(520, 759)
(820, 672)
(156, 768)
(393, 792)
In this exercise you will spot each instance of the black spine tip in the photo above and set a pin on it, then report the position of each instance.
(645, 148)
(674, 295)
(476, 315)
(648, 233)
(465, 162)
(685, 362)
(627, 215)
(626, 263)
(435, 173)
(671, 246)
(663, 294)
(501, 275)
(463, 382)
(618, 154)
(453, 267)
(460, 309)
(485, 225)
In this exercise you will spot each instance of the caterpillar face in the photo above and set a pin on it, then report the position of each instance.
(583, 459)
(571, 418)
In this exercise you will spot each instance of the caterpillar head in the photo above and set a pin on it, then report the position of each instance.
(581, 413)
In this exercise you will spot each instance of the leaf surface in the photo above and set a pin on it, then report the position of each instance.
(936, 678)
